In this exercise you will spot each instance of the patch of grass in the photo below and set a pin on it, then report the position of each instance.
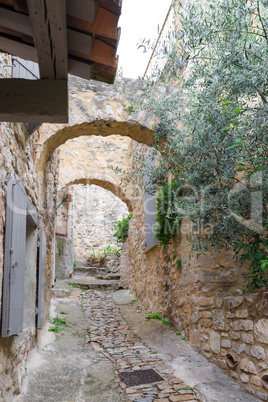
(178, 262)
(185, 389)
(157, 316)
(57, 320)
(55, 328)
(63, 312)
(179, 334)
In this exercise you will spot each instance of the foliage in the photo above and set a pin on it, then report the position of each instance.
(98, 257)
(121, 229)
(92, 258)
(58, 323)
(180, 334)
(168, 218)
(213, 170)
(55, 329)
(157, 316)
(57, 320)
(75, 263)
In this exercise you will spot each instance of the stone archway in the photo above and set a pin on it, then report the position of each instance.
(107, 185)
(97, 109)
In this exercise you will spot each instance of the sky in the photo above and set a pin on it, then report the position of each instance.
(139, 19)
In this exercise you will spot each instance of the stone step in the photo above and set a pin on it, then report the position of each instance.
(92, 271)
(115, 277)
(97, 284)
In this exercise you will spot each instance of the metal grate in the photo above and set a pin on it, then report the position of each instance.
(138, 377)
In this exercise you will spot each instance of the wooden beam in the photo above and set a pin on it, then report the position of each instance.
(112, 5)
(18, 49)
(79, 42)
(85, 10)
(15, 21)
(103, 53)
(80, 69)
(105, 24)
(34, 101)
(48, 19)
(104, 73)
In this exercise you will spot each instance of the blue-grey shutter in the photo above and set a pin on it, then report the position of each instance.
(26, 69)
(41, 278)
(14, 261)
(150, 211)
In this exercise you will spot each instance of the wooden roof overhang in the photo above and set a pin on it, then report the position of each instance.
(79, 37)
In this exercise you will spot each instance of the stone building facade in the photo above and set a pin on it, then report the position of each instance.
(203, 298)
(17, 154)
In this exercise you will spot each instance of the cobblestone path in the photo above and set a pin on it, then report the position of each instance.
(111, 334)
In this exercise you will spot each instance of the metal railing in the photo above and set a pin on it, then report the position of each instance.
(163, 46)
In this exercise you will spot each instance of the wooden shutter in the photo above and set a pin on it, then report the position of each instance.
(150, 211)
(41, 278)
(14, 260)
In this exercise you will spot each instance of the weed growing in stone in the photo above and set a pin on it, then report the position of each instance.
(179, 334)
(157, 316)
(63, 312)
(185, 389)
(55, 329)
(57, 320)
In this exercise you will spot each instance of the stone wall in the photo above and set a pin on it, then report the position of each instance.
(88, 160)
(17, 153)
(96, 211)
(203, 299)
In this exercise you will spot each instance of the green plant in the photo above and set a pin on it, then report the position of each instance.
(178, 262)
(54, 329)
(213, 167)
(92, 257)
(129, 109)
(157, 316)
(75, 263)
(179, 334)
(185, 389)
(62, 312)
(168, 216)
(121, 229)
(57, 320)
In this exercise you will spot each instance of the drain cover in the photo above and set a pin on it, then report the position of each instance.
(138, 377)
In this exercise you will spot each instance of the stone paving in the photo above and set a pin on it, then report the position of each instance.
(110, 333)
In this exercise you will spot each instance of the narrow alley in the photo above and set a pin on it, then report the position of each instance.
(107, 333)
(133, 201)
